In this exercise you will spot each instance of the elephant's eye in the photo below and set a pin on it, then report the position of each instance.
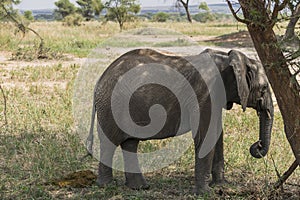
(264, 88)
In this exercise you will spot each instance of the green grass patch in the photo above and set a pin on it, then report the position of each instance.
(43, 73)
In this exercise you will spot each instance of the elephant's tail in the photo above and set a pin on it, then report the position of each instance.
(90, 138)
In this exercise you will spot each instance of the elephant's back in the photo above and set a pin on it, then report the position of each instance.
(136, 59)
(138, 66)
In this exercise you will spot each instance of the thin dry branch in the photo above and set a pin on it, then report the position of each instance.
(5, 107)
(283, 5)
(293, 56)
(286, 175)
(277, 8)
(22, 27)
(296, 73)
(234, 13)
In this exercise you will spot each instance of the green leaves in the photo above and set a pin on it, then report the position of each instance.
(8, 5)
(121, 10)
(204, 6)
(28, 15)
(65, 8)
(90, 8)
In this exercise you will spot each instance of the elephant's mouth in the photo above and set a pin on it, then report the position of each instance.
(261, 106)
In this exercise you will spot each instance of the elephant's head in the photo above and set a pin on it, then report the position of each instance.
(254, 91)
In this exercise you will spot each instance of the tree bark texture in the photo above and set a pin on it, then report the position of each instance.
(285, 86)
(290, 30)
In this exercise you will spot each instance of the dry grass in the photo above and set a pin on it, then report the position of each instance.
(80, 40)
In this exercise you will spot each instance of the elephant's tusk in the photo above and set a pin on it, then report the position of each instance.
(269, 114)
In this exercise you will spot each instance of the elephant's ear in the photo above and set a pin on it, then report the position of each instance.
(241, 66)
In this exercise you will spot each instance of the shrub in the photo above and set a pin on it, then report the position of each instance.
(204, 17)
(160, 17)
(73, 20)
(28, 15)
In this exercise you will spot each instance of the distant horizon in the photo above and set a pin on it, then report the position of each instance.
(49, 4)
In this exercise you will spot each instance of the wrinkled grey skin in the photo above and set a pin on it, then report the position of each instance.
(245, 84)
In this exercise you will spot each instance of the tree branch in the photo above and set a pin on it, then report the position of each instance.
(234, 13)
(293, 56)
(286, 175)
(22, 27)
(277, 8)
(283, 5)
(183, 3)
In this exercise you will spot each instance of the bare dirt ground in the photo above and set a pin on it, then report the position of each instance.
(7, 63)
(239, 39)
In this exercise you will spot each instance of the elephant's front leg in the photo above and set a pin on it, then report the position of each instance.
(205, 139)
(218, 163)
(203, 167)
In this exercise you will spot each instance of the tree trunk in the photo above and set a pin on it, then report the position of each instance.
(286, 88)
(186, 7)
(290, 30)
(188, 15)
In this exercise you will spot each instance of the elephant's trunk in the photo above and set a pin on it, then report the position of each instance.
(260, 148)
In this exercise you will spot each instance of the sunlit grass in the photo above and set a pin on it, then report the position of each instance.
(82, 39)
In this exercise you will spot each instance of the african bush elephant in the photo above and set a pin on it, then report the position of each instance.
(244, 81)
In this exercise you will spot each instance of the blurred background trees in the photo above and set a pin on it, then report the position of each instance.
(122, 11)
(64, 8)
(90, 9)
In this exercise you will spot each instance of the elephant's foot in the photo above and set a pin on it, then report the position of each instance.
(218, 178)
(103, 181)
(136, 181)
(105, 175)
(218, 182)
(203, 191)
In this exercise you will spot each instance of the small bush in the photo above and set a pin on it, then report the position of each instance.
(73, 20)
(204, 17)
(28, 15)
(160, 17)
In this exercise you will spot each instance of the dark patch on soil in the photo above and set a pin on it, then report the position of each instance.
(233, 40)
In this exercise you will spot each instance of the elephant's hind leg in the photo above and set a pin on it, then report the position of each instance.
(107, 150)
(133, 175)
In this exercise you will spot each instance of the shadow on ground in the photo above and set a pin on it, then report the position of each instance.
(233, 40)
(178, 185)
